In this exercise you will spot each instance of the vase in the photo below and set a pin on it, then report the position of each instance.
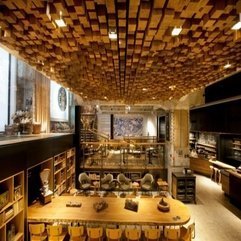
(26, 128)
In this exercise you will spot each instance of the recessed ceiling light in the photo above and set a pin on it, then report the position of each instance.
(153, 98)
(113, 35)
(170, 97)
(176, 31)
(144, 89)
(105, 98)
(172, 87)
(60, 22)
(237, 25)
(226, 66)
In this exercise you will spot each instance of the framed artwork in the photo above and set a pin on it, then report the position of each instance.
(128, 125)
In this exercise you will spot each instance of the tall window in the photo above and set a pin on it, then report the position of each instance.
(4, 87)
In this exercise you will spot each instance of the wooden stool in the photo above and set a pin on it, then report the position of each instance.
(212, 174)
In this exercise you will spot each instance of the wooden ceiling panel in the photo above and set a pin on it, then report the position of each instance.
(81, 55)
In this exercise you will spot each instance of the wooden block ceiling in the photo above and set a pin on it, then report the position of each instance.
(146, 63)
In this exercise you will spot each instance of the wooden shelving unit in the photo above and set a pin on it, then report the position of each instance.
(12, 208)
(70, 169)
(60, 173)
(236, 149)
(184, 187)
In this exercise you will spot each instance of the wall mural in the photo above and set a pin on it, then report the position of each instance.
(128, 126)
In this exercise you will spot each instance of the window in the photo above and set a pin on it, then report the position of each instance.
(4, 87)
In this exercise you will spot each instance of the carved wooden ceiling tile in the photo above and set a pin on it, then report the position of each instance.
(145, 55)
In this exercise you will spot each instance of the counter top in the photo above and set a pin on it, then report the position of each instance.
(8, 140)
(222, 165)
(234, 173)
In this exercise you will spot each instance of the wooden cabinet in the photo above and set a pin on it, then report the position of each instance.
(12, 208)
(70, 169)
(225, 181)
(184, 187)
(60, 173)
(200, 165)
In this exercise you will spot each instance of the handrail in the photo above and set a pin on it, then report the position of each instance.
(95, 131)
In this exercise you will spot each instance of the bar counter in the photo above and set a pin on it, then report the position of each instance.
(8, 140)
(147, 213)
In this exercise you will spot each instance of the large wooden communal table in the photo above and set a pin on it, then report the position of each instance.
(56, 211)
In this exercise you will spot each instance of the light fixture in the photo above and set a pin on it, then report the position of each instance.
(144, 89)
(237, 25)
(172, 87)
(226, 66)
(176, 31)
(112, 35)
(60, 22)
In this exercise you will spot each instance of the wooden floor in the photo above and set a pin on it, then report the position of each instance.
(216, 219)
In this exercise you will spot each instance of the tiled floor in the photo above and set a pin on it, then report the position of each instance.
(216, 219)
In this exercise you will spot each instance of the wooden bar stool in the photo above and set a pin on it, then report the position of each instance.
(113, 234)
(216, 173)
(212, 174)
(55, 233)
(172, 233)
(95, 234)
(152, 234)
(133, 234)
(76, 233)
(37, 232)
(187, 234)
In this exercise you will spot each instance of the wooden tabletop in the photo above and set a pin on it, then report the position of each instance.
(115, 213)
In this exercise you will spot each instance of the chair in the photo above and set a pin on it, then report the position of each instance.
(113, 234)
(107, 183)
(133, 234)
(37, 232)
(187, 234)
(124, 182)
(152, 234)
(76, 233)
(55, 233)
(95, 234)
(85, 181)
(172, 233)
(147, 182)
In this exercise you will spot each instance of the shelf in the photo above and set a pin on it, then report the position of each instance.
(236, 149)
(59, 170)
(13, 211)
(18, 236)
(206, 145)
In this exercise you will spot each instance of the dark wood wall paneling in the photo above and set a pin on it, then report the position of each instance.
(222, 118)
(21, 156)
(227, 88)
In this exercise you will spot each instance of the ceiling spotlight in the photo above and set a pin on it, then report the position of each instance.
(226, 66)
(153, 98)
(112, 34)
(172, 87)
(105, 97)
(60, 22)
(237, 25)
(176, 31)
(144, 89)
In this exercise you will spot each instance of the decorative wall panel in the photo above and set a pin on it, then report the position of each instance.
(126, 125)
